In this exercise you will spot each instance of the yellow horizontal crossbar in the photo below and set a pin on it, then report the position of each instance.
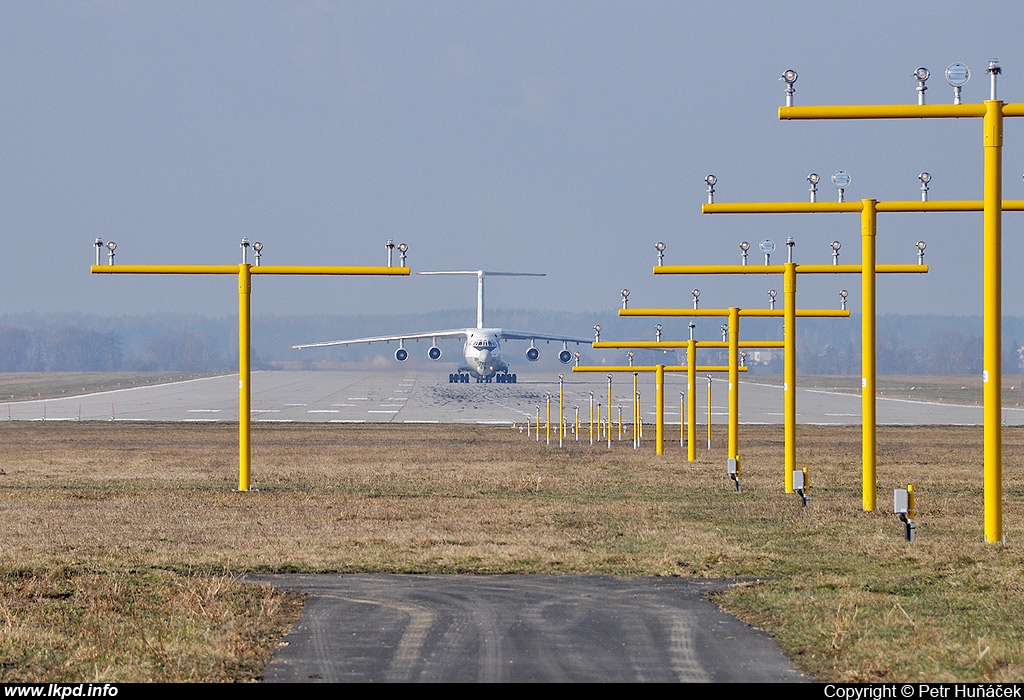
(908, 111)
(255, 270)
(780, 269)
(658, 344)
(805, 313)
(965, 205)
(654, 368)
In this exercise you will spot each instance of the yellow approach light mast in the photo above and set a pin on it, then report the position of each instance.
(244, 272)
(991, 112)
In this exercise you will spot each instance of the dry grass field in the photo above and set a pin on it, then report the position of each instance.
(123, 542)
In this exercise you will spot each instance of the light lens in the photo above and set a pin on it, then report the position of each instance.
(957, 74)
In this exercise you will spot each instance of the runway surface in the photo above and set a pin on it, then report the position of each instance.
(514, 629)
(427, 397)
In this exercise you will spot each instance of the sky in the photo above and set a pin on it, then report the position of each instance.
(564, 138)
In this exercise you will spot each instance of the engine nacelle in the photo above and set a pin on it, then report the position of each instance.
(401, 354)
(434, 353)
(532, 354)
(565, 357)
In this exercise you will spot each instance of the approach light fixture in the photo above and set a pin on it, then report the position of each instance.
(841, 180)
(660, 247)
(789, 248)
(725, 332)
(576, 357)
(402, 250)
(696, 297)
(925, 178)
(597, 333)
(836, 245)
(921, 245)
(771, 298)
(744, 247)
(957, 75)
(257, 248)
(244, 245)
(789, 78)
(629, 356)
(111, 247)
(97, 244)
(692, 326)
(625, 297)
(657, 332)
(743, 358)
(842, 295)
(993, 70)
(814, 179)
(767, 246)
(921, 75)
(710, 180)
(390, 245)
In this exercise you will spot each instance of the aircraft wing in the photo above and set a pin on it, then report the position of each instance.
(526, 335)
(450, 333)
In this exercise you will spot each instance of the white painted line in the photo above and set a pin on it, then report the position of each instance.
(358, 398)
(203, 410)
(275, 420)
(322, 410)
(296, 404)
(347, 421)
(421, 421)
(382, 411)
(344, 405)
(265, 410)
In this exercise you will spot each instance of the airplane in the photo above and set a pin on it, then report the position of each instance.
(482, 358)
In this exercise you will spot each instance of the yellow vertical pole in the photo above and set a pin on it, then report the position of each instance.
(244, 388)
(636, 428)
(561, 412)
(869, 433)
(609, 412)
(682, 418)
(691, 407)
(591, 418)
(734, 382)
(659, 408)
(789, 371)
(709, 411)
(547, 428)
(992, 367)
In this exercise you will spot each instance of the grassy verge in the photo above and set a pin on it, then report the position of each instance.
(121, 541)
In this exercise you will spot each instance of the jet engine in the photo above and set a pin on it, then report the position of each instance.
(532, 354)
(565, 357)
(401, 354)
(434, 353)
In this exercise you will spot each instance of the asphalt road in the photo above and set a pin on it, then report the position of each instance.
(426, 397)
(479, 629)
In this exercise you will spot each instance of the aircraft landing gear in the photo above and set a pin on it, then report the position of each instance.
(505, 378)
(458, 378)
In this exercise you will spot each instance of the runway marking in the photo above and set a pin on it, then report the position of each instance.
(296, 404)
(344, 420)
(200, 420)
(358, 398)
(392, 405)
(344, 405)
(421, 421)
(372, 411)
(204, 410)
(322, 410)
(275, 420)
